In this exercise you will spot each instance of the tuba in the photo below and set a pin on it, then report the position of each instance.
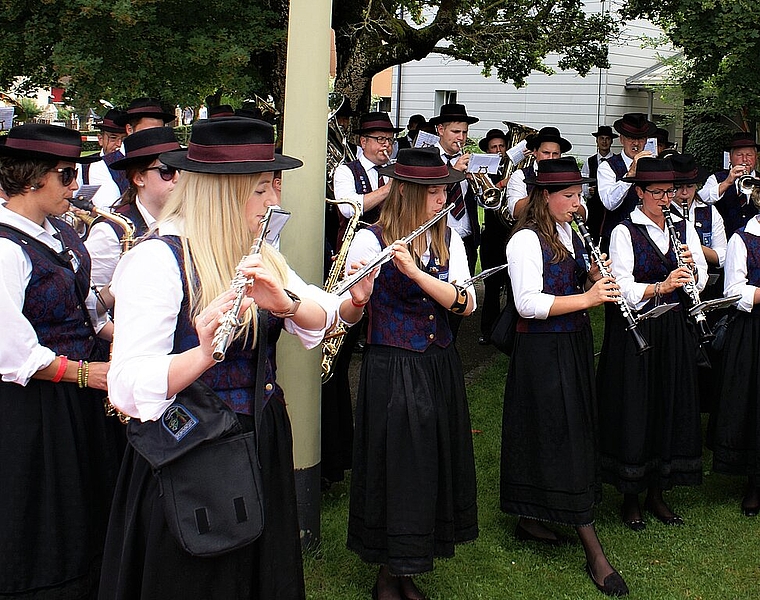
(338, 149)
(517, 133)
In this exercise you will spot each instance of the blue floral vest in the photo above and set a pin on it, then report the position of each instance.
(612, 218)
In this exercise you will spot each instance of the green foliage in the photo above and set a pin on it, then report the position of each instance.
(706, 142)
(29, 109)
(721, 42)
(180, 51)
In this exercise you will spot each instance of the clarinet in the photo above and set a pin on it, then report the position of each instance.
(630, 317)
(690, 287)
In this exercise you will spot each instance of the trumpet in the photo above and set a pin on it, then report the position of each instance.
(690, 287)
(746, 184)
(629, 315)
(230, 320)
(488, 195)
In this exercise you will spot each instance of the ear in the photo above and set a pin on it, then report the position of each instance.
(401, 187)
(138, 179)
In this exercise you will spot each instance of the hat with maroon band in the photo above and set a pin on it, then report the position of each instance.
(687, 170)
(144, 108)
(230, 146)
(558, 172)
(45, 142)
(108, 123)
(144, 146)
(376, 121)
(222, 110)
(423, 166)
(652, 170)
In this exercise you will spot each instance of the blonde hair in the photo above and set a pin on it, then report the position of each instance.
(215, 238)
(404, 211)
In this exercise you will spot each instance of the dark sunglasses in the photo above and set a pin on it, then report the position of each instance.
(166, 173)
(68, 174)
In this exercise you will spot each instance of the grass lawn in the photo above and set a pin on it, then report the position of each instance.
(713, 557)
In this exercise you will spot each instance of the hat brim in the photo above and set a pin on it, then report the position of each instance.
(701, 176)
(126, 118)
(178, 159)
(618, 126)
(453, 119)
(453, 177)
(389, 129)
(30, 154)
(612, 135)
(536, 141)
(741, 145)
(655, 178)
(110, 129)
(483, 144)
(127, 162)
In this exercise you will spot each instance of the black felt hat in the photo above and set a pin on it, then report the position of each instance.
(742, 139)
(605, 130)
(376, 121)
(46, 142)
(635, 125)
(230, 145)
(145, 146)
(663, 137)
(492, 134)
(144, 108)
(223, 110)
(548, 134)
(558, 171)
(687, 170)
(653, 170)
(453, 113)
(423, 166)
(108, 123)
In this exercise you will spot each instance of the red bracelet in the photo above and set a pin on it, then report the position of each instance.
(358, 305)
(64, 362)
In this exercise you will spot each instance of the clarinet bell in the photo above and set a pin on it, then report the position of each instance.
(639, 340)
(705, 333)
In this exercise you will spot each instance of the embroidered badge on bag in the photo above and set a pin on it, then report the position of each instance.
(178, 421)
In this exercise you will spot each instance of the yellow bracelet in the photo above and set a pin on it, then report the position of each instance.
(79, 374)
(86, 373)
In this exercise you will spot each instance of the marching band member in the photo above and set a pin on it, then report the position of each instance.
(413, 492)
(604, 138)
(59, 453)
(650, 436)
(171, 291)
(549, 460)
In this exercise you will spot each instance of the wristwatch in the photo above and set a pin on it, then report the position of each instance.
(291, 312)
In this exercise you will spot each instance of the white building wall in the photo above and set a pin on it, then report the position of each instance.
(574, 104)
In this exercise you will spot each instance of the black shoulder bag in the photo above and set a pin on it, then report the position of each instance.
(207, 468)
(505, 328)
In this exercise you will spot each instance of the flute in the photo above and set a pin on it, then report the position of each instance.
(690, 287)
(385, 255)
(230, 321)
(628, 314)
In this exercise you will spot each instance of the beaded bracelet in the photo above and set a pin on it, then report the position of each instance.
(62, 364)
(80, 368)
(86, 373)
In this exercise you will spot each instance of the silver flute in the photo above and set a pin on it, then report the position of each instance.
(629, 315)
(230, 320)
(690, 287)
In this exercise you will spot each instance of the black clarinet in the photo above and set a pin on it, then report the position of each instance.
(690, 287)
(630, 317)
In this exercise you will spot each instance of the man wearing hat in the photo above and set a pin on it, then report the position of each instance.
(663, 140)
(451, 126)
(359, 179)
(143, 113)
(604, 136)
(547, 143)
(493, 243)
(112, 182)
(720, 189)
(412, 127)
(617, 196)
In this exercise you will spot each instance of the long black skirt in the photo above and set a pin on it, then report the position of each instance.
(143, 560)
(549, 463)
(59, 459)
(649, 421)
(413, 490)
(735, 425)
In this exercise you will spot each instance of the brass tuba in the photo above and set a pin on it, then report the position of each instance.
(338, 149)
(517, 133)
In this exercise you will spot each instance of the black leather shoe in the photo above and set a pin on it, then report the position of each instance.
(750, 511)
(483, 340)
(635, 524)
(673, 519)
(524, 535)
(613, 584)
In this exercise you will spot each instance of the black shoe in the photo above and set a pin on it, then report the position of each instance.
(483, 340)
(613, 584)
(635, 524)
(673, 519)
(524, 535)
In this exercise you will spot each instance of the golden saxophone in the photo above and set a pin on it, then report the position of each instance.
(334, 338)
(230, 321)
(127, 241)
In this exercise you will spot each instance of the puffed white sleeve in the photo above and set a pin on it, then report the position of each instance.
(736, 272)
(526, 272)
(621, 254)
(345, 187)
(104, 248)
(459, 269)
(330, 303)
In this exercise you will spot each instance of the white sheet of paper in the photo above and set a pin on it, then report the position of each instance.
(425, 140)
(651, 145)
(484, 163)
(517, 153)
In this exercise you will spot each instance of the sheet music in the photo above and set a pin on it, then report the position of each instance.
(276, 223)
(425, 140)
(6, 117)
(517, 153)
(484, 163)
(657, 311)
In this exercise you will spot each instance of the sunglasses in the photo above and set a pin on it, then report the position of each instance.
(68, 174)
(166, 173)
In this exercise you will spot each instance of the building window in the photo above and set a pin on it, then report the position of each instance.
(444, 97)
(381, 104)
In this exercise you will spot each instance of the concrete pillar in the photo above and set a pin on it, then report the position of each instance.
(303, 193)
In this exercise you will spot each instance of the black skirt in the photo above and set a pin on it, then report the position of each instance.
(413, 490)
(59, 457)
(548, 445)
(649, 421)
(735, 425)
(142, 559)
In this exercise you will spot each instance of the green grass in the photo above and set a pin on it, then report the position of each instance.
(714, 556)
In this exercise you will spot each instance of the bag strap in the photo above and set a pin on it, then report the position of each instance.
(261, 344)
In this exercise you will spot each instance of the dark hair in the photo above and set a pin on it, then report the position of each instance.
(17, 174)
(130, 194)
(536, 216)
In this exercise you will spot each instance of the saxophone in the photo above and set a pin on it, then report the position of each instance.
(127, 241)
(690, 287)
(334, 338)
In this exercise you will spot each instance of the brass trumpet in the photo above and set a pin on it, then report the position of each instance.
(488, 195)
